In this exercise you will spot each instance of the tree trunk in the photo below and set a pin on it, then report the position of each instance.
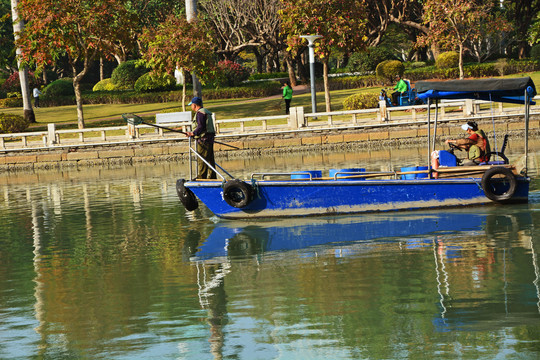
(326, 85)
(191, 15)
(461, 72)
(18, 27)
(290, 68)
(101, 77)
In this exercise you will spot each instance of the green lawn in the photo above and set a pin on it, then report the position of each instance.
(110, 114)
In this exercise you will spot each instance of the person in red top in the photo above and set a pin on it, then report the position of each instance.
(476, 144)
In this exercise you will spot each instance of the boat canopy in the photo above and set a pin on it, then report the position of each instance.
(510, 90)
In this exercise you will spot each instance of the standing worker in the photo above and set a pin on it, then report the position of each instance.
(287, 95)
(204, 134)
(36, 94)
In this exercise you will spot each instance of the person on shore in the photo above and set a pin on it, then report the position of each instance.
(287, 95)
(36, 94)
(400, 88)
(477, 144)
(204, 133)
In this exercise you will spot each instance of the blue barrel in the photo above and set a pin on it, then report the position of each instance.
(413, 176)
(305, 174)
(332, 173)
(421, 176)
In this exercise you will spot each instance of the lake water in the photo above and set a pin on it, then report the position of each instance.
(106, 264)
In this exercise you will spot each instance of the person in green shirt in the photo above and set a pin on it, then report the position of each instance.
(287, 95)
(400, 88)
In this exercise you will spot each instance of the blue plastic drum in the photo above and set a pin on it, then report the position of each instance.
(414, 176)
(296, 175)
(333, 172)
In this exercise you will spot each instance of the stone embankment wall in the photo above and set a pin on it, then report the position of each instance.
(177, 149)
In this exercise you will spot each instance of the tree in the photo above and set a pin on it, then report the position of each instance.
(82, 30)
(7, 49)
(342, 23)
(177, 43)
(453, 23)
(522, 13)
(18, 27)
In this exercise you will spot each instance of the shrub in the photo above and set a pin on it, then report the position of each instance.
(126, 74)
(10, 123)
(11, 102)
(231, 73)
(361, 101)
(535, 52)
(60, 87)
(104, 85)
(13, 84)
(367, 61)
(388, 69)
(155, 82)
(276, 75)
(447, 60)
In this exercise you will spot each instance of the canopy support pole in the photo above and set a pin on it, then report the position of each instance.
(526, 132)
(429, 136)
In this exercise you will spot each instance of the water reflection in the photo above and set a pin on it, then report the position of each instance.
(107, 264)
(479, 258)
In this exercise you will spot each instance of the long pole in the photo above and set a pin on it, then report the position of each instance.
(526, 132)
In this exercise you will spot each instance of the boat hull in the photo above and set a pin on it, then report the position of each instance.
(324, 197)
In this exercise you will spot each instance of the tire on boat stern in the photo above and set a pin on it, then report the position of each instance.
(187, 197)
(504, 178)
(237, 193)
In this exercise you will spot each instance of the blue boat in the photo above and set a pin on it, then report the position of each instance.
(308, 193)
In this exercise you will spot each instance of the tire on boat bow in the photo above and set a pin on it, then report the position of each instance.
(237, 193)
(187, 197)
(499, 184)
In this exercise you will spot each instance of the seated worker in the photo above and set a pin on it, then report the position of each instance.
(476, 144)
(401, 87)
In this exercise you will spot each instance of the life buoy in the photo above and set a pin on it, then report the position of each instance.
(237, 193)
(505, 180)
(187, 197)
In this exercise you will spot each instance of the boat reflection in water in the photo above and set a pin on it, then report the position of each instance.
(481, 265)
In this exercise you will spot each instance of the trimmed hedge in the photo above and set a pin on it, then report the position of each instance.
(126, 74)
(60, 87)
(276, 75)
(447, 60)
(389, 69)
(104, 85)
(150, 82)
(11, 102)
(254, 90)
(11, 123)
(361, 101)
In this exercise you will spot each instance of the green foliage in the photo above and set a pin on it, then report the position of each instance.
(60, 87)
(155, 82)
(361, 101)
(351, 82)
(367, 61)
(264, 76)
(535, 52)
(10, 123)
(11, 102)
(126, 74)
(104, 85)
(388, 69)
(447, 60)
(176, 43)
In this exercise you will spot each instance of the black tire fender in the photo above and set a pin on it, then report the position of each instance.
(488, 183)
(237, 193)
(187, 197)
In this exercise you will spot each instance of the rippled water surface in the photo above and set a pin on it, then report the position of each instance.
(106, 264)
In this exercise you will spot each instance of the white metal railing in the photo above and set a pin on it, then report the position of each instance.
(402, 115)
